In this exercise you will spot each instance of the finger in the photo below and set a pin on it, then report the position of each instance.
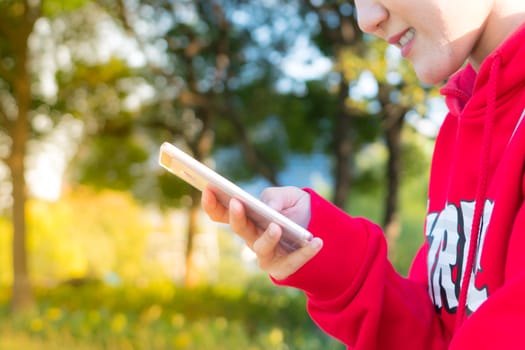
(241, 224)
(265, 246)
(215, 210)
(268, 196)
(295, 260)
(273, 197)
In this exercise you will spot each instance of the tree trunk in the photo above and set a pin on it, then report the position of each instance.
(191, 277)
(201, 148)
(22, 297)
(343, 148)
(16, 24)
(393, 126)
(391, 221)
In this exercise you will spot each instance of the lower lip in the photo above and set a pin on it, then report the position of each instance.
(405, 49)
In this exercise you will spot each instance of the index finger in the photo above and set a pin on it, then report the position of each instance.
(241, 224)
(215, 210)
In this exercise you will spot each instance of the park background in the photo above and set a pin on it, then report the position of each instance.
(100, 248)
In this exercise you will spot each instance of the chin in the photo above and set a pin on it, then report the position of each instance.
(436, 73)
(431, 77)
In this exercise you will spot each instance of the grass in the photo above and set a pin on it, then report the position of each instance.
(164, 317)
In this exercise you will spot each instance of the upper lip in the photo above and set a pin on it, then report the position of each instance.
(394, 39)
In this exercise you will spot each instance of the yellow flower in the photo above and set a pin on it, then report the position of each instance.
(119, 323)
(54, 314)
(152, 314)
(276, 336)
(182, 340)
(36, 325)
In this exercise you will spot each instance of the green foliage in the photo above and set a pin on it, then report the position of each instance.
(96, 91)
(51, 8)
(308, 118)
(260, 316)
(117, 162)
(176, 193)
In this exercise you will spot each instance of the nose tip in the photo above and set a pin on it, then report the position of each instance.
(370, 17)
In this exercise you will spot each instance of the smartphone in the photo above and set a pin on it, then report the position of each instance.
(200, 176)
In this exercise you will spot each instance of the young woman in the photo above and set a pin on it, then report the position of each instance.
(466, 287)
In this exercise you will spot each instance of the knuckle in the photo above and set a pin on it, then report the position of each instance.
(261, 246)
(236, 224)
(257, 247)
(215, 216)
(304, 253)
(289, 267)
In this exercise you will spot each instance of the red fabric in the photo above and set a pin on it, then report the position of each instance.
(354, 293)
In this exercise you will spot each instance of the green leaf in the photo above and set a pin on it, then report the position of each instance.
(51, 8)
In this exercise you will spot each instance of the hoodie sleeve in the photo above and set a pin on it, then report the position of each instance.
(355, 295)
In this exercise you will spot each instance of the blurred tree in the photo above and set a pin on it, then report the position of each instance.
(16, 24)
(19, 104)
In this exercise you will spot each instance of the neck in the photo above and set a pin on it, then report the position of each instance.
(503, 20)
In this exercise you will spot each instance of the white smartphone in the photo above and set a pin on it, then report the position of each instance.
(200, 176)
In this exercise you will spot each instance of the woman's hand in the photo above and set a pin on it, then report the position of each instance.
(292, 202)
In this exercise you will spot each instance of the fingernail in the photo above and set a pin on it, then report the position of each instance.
(316, 243)
(233, 205)
(272, 230)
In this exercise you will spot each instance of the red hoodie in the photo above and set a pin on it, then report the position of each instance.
(464, 290)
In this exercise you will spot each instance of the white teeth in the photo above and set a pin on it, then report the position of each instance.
(407, 37)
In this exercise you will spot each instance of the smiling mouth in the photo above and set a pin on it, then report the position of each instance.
(405, 39)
